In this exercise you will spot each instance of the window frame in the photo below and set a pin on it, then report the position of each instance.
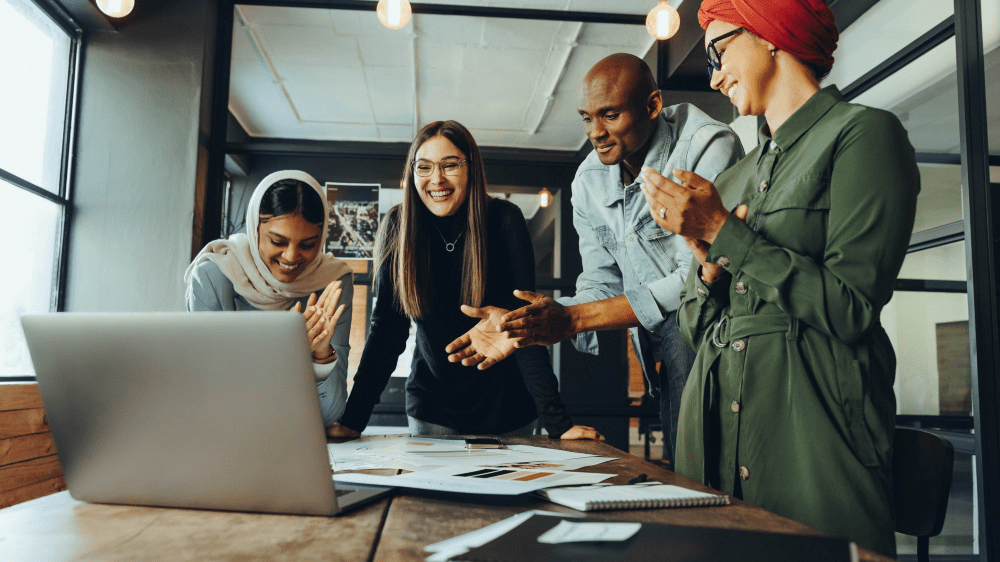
(64, 197)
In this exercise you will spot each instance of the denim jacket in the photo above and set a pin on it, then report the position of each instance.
(623, 250)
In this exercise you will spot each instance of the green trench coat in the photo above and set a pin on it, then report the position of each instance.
(790, 402)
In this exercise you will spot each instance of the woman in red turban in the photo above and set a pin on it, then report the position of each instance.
(790, 402)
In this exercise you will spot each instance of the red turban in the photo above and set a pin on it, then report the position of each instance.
(804, 29)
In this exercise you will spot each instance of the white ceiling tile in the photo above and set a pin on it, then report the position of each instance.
(628, 38)
(317, 45)
(391, 91)
(520, 34)
(438, 56)
(243, 47)
(449, 30)
(319, 94)
(365, 23)
(395, 51)
(256, 100)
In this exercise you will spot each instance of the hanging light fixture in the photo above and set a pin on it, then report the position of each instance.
(545, 197)
(663, 21)
(116, 8)
(393, 14)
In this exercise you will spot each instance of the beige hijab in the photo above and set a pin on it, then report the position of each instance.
(240, 261)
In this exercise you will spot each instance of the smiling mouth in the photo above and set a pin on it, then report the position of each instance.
(731, 91)
(440, 194)
(284, 267)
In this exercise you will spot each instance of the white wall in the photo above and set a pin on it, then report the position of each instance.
(910, 319)
(140, 105)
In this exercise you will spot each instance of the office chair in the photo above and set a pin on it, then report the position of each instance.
(922, 468)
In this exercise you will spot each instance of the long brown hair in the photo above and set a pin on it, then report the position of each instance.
(405, 244)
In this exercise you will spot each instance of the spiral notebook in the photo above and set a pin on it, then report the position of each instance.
(647, 495)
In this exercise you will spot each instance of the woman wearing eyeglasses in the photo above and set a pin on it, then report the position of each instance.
(790, 403)
(447, 244)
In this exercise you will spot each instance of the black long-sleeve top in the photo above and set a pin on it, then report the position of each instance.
(504, 397)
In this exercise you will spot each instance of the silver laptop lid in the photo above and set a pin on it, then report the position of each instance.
(197, 410)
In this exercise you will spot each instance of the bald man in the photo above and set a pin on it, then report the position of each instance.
(633, 270)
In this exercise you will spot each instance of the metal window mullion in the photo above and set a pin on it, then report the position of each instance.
(26, 185)
(981, 262)
(916, 49)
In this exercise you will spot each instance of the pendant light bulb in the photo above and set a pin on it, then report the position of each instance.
(116, 8)
(663, 21)
(393, 14)
(545, 197)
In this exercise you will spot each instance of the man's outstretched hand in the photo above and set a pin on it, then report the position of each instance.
(485, 344)
(543, 322)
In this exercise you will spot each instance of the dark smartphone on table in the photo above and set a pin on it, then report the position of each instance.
(483, 443)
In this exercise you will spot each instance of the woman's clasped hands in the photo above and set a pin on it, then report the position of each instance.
(321, 315)
(692, 209)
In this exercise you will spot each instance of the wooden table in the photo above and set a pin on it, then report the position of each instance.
(57, 527)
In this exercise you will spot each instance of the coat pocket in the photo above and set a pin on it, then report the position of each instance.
(853, 403)
(809, 191)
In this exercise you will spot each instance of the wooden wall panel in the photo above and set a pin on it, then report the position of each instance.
(32, 491)
(22, 422)
(29, 466)
(19, 475)
(26, 447)
(19, 397)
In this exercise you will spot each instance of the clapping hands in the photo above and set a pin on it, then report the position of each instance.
(321, 316)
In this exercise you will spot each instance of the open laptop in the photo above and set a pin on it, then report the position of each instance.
(209, 410)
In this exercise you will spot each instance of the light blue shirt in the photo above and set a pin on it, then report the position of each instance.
(623, 250)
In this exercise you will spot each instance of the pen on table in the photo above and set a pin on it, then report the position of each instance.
(637, 480)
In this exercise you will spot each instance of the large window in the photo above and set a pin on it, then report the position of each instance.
(38, 65)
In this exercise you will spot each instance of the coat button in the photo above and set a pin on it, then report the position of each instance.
(741, 288)
(702, 293)
(739, 345)
(735, 406)
(744, 473)
(763, 186)
(723, 261)
(630, 240)
(772, 146)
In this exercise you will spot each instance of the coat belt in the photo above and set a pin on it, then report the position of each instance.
(729, 328)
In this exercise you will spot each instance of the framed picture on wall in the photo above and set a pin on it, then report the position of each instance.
(353, 219)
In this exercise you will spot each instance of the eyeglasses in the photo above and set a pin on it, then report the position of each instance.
(449, 167)
(714, 57)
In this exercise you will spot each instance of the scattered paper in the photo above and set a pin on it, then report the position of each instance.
(567, 531)
(450, 548)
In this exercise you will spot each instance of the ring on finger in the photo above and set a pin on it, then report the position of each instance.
(663, 212)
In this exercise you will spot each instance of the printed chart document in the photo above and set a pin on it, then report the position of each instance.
(476, 480)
